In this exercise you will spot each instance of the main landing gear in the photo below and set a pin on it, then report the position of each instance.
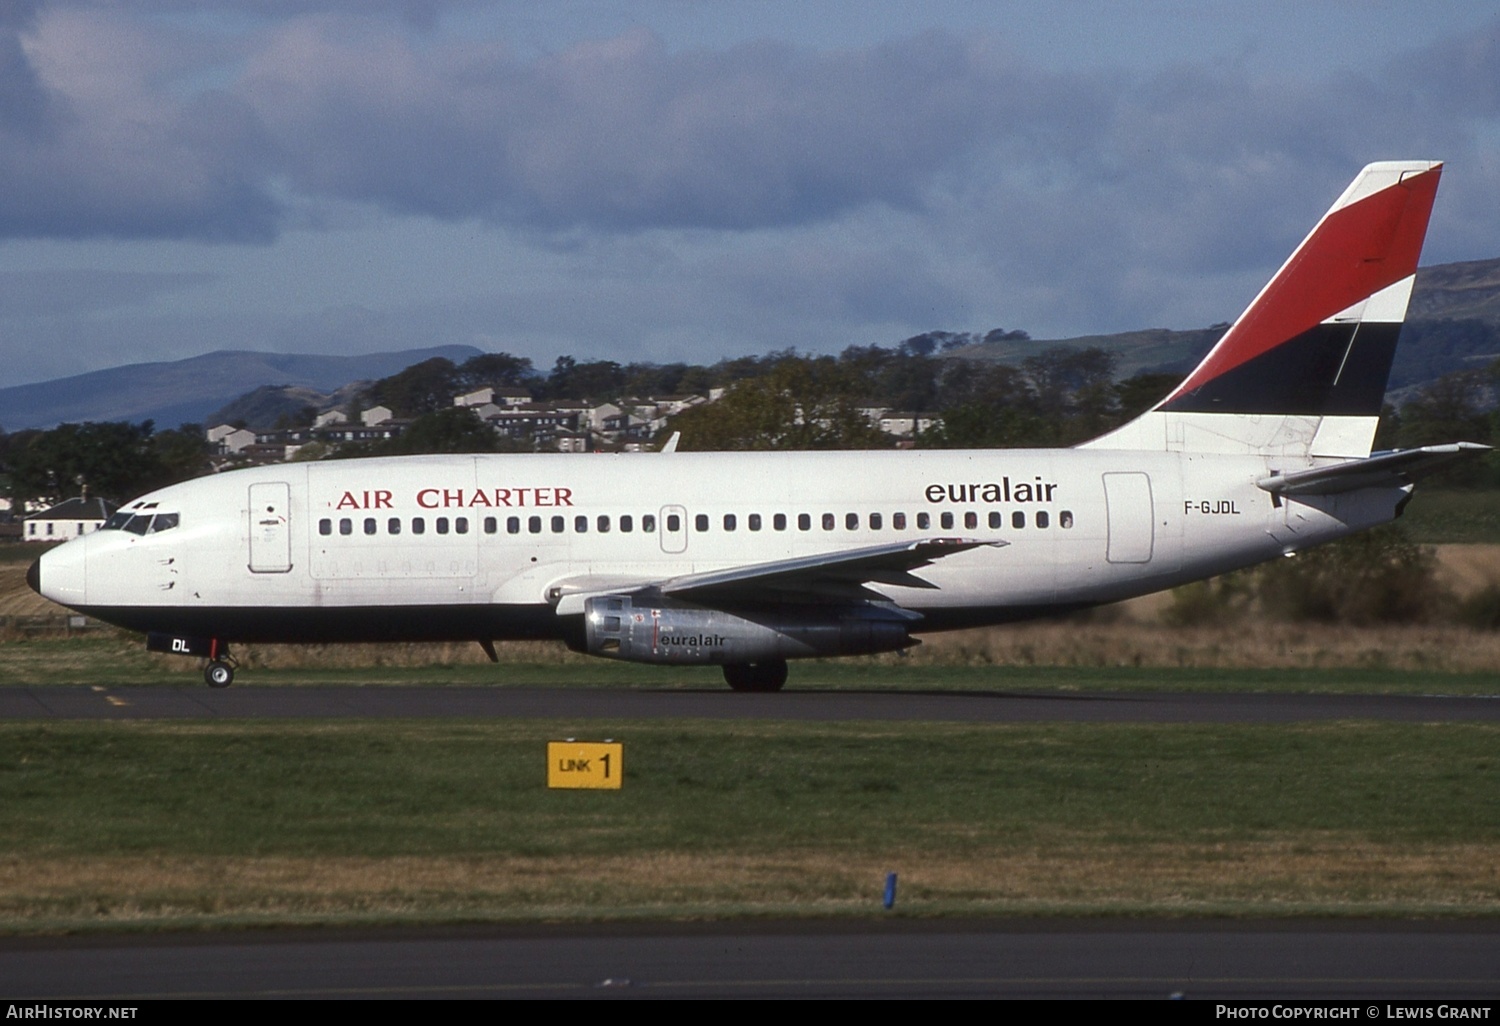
(766, 676)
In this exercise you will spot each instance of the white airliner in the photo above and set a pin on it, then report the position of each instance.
(747, 560)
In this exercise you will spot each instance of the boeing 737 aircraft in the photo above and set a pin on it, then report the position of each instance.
(747, 560)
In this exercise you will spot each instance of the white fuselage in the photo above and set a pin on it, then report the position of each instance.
(478, 547)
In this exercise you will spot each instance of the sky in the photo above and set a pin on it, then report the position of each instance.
(686, 180)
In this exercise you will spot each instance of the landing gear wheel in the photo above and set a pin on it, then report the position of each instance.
(767, 676)
(218, 674)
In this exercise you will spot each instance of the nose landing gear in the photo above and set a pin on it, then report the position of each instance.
(219, 670)
(219, 673)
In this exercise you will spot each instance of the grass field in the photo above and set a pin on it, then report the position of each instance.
(148, 825)
(1437, 517)
(1038, 658)
(152, 824)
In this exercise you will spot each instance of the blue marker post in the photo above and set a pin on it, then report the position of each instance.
(890, 890)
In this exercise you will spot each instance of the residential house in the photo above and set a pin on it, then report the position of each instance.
(68, 519)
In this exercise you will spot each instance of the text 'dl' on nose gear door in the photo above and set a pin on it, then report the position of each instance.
(270, 528)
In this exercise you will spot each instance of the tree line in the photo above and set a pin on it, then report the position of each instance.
(781, 400)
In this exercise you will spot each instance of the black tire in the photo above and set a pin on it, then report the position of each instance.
(218, 674)
(766, 676)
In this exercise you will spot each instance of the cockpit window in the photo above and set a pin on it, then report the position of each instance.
(163, 522)
(141, 523)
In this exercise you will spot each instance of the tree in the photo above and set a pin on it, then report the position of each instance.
(421, 388)
(500, 369)
(112, 460)
(802, 403)
(451, 429)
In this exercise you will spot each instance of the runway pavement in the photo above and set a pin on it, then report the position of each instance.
(1361, 962)
(175, 702)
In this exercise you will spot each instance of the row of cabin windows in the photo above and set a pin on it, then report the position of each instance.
(947, 521)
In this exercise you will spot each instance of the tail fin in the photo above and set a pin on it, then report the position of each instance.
(1303, 371)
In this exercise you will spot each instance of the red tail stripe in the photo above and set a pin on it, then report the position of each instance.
(1354, 253)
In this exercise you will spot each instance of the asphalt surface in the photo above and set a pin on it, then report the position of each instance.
(1360, 962)
(168, 702)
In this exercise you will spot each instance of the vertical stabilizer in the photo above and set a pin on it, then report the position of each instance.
(1303, 371)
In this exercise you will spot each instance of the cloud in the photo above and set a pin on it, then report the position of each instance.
(118, 124)
(49, 293)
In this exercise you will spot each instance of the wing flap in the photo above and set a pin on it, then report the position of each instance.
(828, 577)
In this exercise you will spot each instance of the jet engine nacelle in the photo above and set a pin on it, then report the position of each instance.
(623, 627)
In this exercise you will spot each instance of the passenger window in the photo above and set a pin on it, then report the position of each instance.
(418, 525)
(442, 525)
(947, 521)
(898, 521)
(581, 525)
(512, 525)
(461, 525)
(370, 525)
(648, 523)
(325, 526)
(674, 523)
(603, 525)
(829, 521)
(804, 522)
(1018, 519)
(627, 524)
(1065, 519)
(559, 524)
(924, 521)
(996, 520)
(534, 525)
(700, 522)
(851, 521)
(730, 522)
(491, 525)
(393, 525)
(755, 521)
(1041, 518)
(971, 520)
(875, 521)
(779, 521)
(346, 526)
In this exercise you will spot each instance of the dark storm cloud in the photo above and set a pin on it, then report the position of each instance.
(620, 134)
(1188, 169)
(23, 101)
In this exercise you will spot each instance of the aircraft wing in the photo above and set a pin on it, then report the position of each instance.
(835, 576)
(1385, 470)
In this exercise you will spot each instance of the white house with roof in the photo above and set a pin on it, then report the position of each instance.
(68, 519)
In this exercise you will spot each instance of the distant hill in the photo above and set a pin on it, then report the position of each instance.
(1453, 323)
(187, 391)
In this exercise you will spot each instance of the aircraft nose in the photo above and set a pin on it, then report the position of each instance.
(65, 570)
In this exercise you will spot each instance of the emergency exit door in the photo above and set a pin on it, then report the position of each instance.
(270, 528)
(1132, 519)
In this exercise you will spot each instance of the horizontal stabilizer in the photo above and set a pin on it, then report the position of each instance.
(1385, 470)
